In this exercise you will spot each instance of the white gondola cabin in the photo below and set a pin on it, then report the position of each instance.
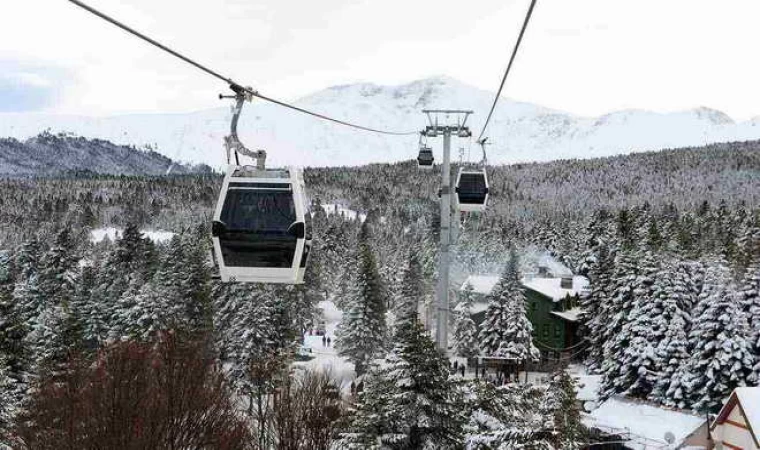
(425, 158)
(262, 226)
(472, 190)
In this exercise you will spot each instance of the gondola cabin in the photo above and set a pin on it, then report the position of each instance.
(262, 226)
(472, 190)
(425, 158)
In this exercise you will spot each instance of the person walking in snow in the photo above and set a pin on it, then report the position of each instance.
(324, 341)
(329, 341)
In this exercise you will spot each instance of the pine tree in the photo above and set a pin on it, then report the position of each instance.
(722, 357)
(362, 331)
(564, 429)
(639, 337)
(465, 330)
(250, 323)
(12, 326)
(412, 292)
(408, 402)
(506, 331)
(7, 396)
(597, 304)
(615, 341)
(511, 416)
(675, 293)
(126, 268)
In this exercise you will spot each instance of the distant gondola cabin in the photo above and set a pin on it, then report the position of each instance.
(552, 306)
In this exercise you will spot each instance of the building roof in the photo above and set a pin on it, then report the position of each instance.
(644, 424)
(550, 287)
(748, 399)
(481, 284)
(571, 315)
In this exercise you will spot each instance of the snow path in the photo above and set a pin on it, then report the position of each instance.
(327, 358)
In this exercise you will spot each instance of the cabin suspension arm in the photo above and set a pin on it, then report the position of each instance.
(232, 143)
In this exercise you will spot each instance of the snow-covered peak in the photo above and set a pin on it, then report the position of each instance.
(519, 131)
(713, 115)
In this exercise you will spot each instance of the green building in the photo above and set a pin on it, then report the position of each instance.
(552, 305)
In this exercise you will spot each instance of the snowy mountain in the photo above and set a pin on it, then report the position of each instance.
(520, 131)
(47, 154)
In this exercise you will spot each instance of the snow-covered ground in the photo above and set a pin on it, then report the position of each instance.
(326, 358)
(644, 425)
(157, 236)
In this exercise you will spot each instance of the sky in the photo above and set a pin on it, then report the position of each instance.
(587, 57)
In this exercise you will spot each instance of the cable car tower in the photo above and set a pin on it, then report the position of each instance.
(456, 126)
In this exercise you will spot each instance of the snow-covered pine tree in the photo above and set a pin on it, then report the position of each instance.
(408, 402)
(195, 282)
(596, 305)
(465, 330)
(562, 415)
(412, 291)
(505, 417)
(128, 266)
(675, 293)
(57, 270)
(506, 331)
(362, 332)
(56, 332)
(12, 326)
(748, 250)
(615, 341)
(638, 337)
(7, 396)
(721, 357)
(250, 323)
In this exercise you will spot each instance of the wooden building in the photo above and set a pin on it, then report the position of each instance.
(737, 426)
(552, 307)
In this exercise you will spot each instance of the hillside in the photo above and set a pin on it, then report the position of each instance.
(49, 154)
(521, 132)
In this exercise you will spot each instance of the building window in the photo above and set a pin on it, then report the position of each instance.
(546, 330)
(557, 332)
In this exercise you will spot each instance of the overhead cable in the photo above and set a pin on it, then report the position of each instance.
(509, 67)
(228, 80)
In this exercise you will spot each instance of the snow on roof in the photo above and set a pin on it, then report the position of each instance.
(749, 398)
(555, 267)
(481, 284)
(550, 287)
(646, 424)
(571, 315)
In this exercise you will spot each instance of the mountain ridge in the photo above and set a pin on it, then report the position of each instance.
(519, 131)
(57, 154)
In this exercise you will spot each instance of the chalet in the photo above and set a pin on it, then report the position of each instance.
(640, 425)
(737, 426)
(552, 306)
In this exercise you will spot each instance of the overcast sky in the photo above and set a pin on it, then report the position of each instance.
(588, 57)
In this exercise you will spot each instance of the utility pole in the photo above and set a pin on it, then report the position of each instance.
(447, 232)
